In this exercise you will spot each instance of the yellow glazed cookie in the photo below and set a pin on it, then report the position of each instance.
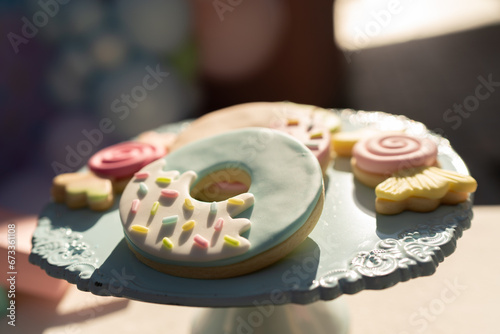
(422, 189)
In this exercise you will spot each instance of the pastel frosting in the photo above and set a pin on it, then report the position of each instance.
(165, 140)
(124, 159)
(308, 128)
(424, 182)
(310, 124)
(286, 184)
(344, 141)
(387, 153)
(83, 189)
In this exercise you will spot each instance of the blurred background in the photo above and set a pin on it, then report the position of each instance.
(435, 61)
(68, 65)
(69, 68)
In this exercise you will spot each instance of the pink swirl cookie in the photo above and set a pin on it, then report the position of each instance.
(124, 159)
(377, 157)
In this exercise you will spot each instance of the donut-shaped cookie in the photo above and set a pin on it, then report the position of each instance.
(176, 233)
(309, 124)
(375, 158)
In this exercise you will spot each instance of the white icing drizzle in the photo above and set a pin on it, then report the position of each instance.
(179, 227)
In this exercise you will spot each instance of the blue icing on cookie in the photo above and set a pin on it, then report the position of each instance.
(286, 182)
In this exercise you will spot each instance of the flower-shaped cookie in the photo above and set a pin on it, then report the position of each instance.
(79, 190)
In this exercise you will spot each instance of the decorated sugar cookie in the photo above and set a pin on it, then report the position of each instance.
(124, 159)
(309, 124)
(343, 142)
(308, 129)
(165, 140)
(329, 120)
(160, 207)
(176, 227)
(79, 190)
(422, 189)
(375, 158)
(111, 169)
(119, 162)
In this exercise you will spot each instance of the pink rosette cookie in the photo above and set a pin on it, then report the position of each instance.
(376, 158)
(119, 162)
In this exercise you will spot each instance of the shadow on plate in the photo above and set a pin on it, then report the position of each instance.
(342, 164)
(364, 198)
(125, 275)
(79, 220)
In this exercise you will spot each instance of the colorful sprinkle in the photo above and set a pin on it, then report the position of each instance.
(135, 205)
(141, 175)
(169, 193)
(292, 122)
(218, 224)
(316, 135)
(231, 241)
(163, 180)
(236, 201)
(200, 241)
(167, 243)
(155, 207)
(312, 146)
(188, 225)
(213, 208)
(139, 229)
(143, 188)
(170, 220)
(188, 205)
